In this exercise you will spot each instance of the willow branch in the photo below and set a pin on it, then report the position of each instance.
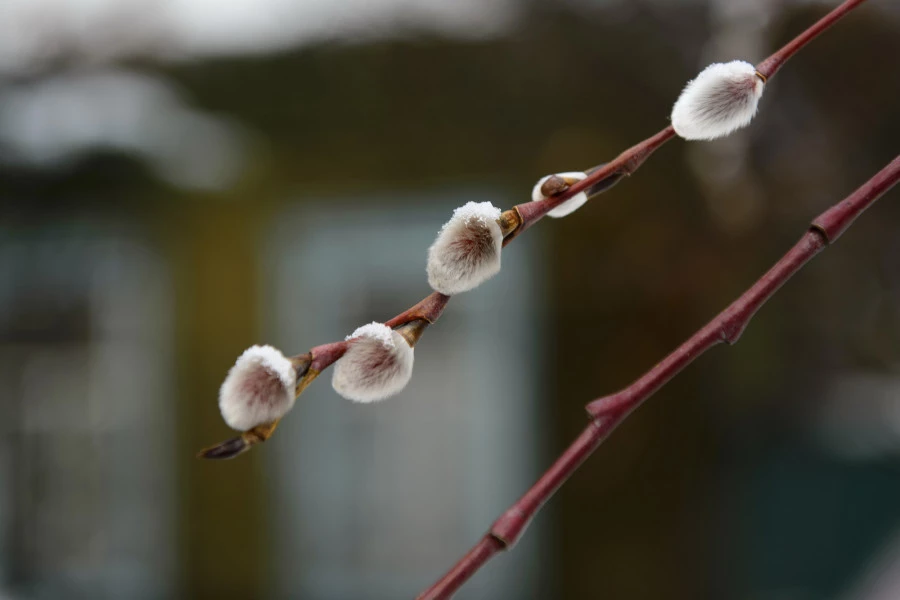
(771, 65)
(608, 412)
(512, 222)
(630, 160)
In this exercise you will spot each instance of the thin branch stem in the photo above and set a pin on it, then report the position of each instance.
(771, 65)
(608, 412)
(625, 164)
(630, 160)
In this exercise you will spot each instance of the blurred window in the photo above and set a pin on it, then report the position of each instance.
(376, 501)
(86, 380)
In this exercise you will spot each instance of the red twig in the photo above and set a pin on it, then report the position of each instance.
(429, 309)
(629, 161)
(770, 66)
(609, 411)
(626, 163)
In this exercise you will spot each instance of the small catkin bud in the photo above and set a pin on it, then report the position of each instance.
(259, 388)
(466, 252)
(377, 364)
(570, 205)
(722, 98)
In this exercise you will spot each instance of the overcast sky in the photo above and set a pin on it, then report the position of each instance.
(34, 31)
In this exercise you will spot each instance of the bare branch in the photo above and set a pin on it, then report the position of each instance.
(608, 412)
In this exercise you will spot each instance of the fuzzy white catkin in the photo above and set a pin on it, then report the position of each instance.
(259, 388)
(378, 364)
(722, 98)
(570, 205)
(466, 252)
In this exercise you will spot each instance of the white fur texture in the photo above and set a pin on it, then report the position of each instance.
(722, 98)
(259, 388)
(570, 205)
(466, 252)
(378, 364)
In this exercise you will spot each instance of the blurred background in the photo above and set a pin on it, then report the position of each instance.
(180, 179)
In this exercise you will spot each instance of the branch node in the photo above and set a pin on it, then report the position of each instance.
(606, 183)
(413, 330)
(428, 309)
(509, 527)
(732, 329)
(607, 406)
(511, 224)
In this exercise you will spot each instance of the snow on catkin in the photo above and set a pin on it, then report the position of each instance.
(722, 98)
(377, 364)
(570, 205)
(466, 252)
(259, 388)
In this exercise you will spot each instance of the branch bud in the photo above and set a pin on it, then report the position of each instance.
(378, 364)
(551, 185)
(466, 252)
(259, 388)
(723, 98)
(239, 445)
